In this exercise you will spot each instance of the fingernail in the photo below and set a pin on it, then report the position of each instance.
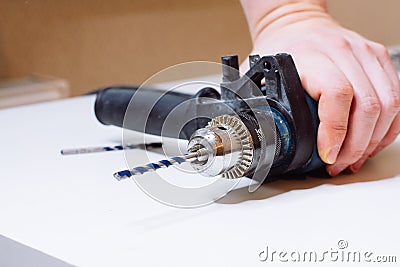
(332, 154)
(357, 166)
(335, 169)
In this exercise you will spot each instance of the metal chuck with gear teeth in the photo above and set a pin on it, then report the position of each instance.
(228, 145)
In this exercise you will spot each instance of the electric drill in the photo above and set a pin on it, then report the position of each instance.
(262, 125)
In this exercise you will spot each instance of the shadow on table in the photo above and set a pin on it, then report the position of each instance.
(385, 165)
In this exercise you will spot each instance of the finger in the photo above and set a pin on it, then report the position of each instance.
(391, 135)
(385, 89)
(335, 93)
(394, 101)
(357, 166)
(386, 63)
(364, 113)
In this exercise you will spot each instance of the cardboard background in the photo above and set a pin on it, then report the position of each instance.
(94, 43)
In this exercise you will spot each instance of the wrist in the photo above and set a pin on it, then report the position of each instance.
(275, 14)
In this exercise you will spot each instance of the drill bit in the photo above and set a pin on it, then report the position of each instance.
(122, 175)
(73, 151)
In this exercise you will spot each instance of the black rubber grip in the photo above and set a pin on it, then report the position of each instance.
(149, 110)
(111, 104)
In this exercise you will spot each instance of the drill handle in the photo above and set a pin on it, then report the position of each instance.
(146, 109)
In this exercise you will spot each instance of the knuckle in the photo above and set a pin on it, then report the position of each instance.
(382, 53)
(366, 47)
(340, 127)
(344, 92)
(381, 50)
(341, 43)
(370, 106)
(394, 104)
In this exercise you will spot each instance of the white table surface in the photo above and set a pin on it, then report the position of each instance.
(70, 209)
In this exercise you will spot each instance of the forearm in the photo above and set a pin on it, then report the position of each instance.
(273, 14)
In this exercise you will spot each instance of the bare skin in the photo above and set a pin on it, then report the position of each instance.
(353, 78)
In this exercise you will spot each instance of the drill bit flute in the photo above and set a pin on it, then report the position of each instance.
(122, 175)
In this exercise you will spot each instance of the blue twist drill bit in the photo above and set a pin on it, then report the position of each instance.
(122, 175)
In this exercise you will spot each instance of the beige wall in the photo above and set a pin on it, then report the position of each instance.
(93, 43)
(377, 20)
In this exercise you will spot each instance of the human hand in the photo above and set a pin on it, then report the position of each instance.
(352, 78)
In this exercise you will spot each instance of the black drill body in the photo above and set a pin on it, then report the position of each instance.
(273, 79)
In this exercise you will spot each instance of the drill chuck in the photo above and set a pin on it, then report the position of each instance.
(228, 145)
